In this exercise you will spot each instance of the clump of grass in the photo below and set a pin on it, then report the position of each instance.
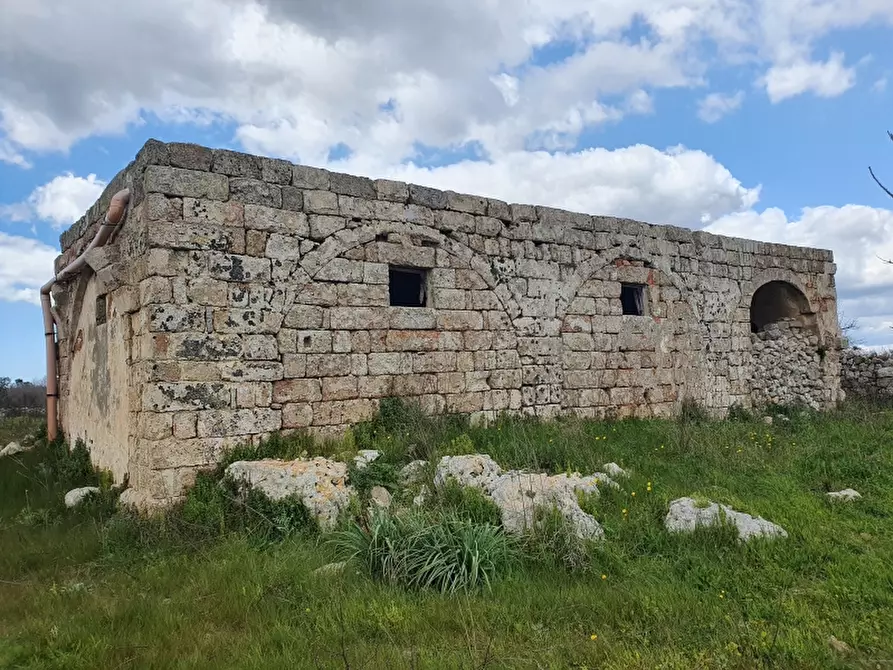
(465, 503)
(449, 554)
(377, 473)
(552, 542)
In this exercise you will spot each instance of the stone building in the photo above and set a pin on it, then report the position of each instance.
(244, 295)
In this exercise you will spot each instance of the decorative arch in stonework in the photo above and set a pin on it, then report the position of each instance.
(780, 286)
(457, 353)
(629, 365)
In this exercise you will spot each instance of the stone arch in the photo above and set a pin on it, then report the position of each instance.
(629, 365)
(456, 353)
(776, 301)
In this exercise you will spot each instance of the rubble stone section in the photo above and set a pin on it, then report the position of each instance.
(867, 374)
(253, 295)
(788, 366)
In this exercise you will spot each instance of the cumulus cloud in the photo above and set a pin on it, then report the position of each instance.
(297, 77)
(826, 79)
(61, 201)
(25, 265)
(714, 106)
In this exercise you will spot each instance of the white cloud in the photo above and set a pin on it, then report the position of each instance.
(825, 79)
(26, 264)
(714, 106)
(880, 85)
(61, 201)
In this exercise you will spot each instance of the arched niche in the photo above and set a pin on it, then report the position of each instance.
(778, 301)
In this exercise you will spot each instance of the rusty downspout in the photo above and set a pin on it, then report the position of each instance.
(51, 321)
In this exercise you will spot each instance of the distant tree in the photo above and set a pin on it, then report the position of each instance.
(883, 188)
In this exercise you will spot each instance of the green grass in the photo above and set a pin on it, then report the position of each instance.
(80, 590)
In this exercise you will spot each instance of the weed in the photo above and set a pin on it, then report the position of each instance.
(466, 503)
(447, 554)
(552, 542)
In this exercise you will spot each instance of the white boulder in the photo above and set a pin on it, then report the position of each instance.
(615, 471)
(686, 515)
(319, 483)
(76, 496)
(518, 494)
(847, 495)
(412, 473)
(12, 449)
(380, 497)
(365, 456)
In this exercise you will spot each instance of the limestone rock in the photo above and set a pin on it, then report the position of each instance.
(380, 497)
(413, 472)
(474, 470)
(319, 483)
(365, 456)
(847, 495)
(330, 569)
(420, 499)
(839, 646)
(12, 449)
(685, 516)
(518, 494)
(76, 496)
(615, 471)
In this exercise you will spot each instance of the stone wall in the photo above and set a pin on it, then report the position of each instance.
(257, 297)
(867, 374)
(788, 366)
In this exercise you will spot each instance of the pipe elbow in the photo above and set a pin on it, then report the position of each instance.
(118, 206)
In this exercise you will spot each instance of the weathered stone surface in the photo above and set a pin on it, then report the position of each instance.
(365, 457)
(615, 471)
(76, 496)
(277, 282)
(685, 516)
(380, 497)
(412, 472)
(867, 374)
(319, 483)
(13, 448)
(846, 495)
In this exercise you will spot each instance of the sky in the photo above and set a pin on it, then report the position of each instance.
(753, 118)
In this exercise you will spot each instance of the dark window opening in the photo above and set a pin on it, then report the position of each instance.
(100, 310)
(407, 287)
(632, 297)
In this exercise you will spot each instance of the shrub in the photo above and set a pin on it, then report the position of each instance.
(553, 542)
(448, 554)
(376, 473)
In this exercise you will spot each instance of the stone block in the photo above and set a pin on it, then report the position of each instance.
(459, 320)
(357, 187)
(320, 202)
(251, 371)
(248, 321)
(155, 290)
(394, 191)
(276, 171)
(182, 396)
(297, 415)
(255, 192)
(292, 199)
(159, 207)
(175, 318)
(427, 197)
(155, 425)
(411, 318)
(184, 425)
(329, 365)
(305, 177)
(390, 363)
(283, 247)
(323, 226)
(211, 211)
(198, 236)
(339, 388)
(235, 164)
(360, 318)
(186, 183)
(260, 347)
(412, 340)
(272, 220)
(200, 347)
(297, 390)
(189, 156)
(229, 423)
(238, 268)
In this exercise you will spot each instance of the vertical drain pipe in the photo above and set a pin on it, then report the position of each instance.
(51, 321)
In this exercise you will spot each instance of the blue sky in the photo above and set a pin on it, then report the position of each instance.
(747, 118)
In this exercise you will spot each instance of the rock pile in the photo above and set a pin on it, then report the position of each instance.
(686, 515)
(787, 366)
(847, 495)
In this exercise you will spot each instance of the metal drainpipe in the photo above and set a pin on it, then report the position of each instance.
(51, 321)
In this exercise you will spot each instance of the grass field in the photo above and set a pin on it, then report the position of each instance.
(96, 590)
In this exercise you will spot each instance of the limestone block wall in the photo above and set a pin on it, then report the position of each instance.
(788, 366)
(262, 295)
(867, 374)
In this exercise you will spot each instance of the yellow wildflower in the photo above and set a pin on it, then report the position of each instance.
(604, 576)
(593, 637)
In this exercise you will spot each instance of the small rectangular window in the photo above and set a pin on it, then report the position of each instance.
(632, 297)
(407, 287)
(101, 310)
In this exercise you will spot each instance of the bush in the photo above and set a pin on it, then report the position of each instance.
(553, 542)
(448, 554)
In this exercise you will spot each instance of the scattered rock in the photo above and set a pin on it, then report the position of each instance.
(518, 494)
(767, 420)
(319, 483)
(615, 471)
(380, 497)
(365, 457)
(685, 516)
(76, 496)
(12, 449)
(330, 569)
(420, 499)
(839, 646)
(413, 472)
(847, 495)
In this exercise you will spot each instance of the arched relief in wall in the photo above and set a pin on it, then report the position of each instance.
(345, 345)
(788, 277)
(788, 364)
(641, 363)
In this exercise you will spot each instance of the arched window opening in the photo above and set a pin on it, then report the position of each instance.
(778, 301)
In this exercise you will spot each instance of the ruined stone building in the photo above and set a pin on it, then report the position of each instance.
(243, 295)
